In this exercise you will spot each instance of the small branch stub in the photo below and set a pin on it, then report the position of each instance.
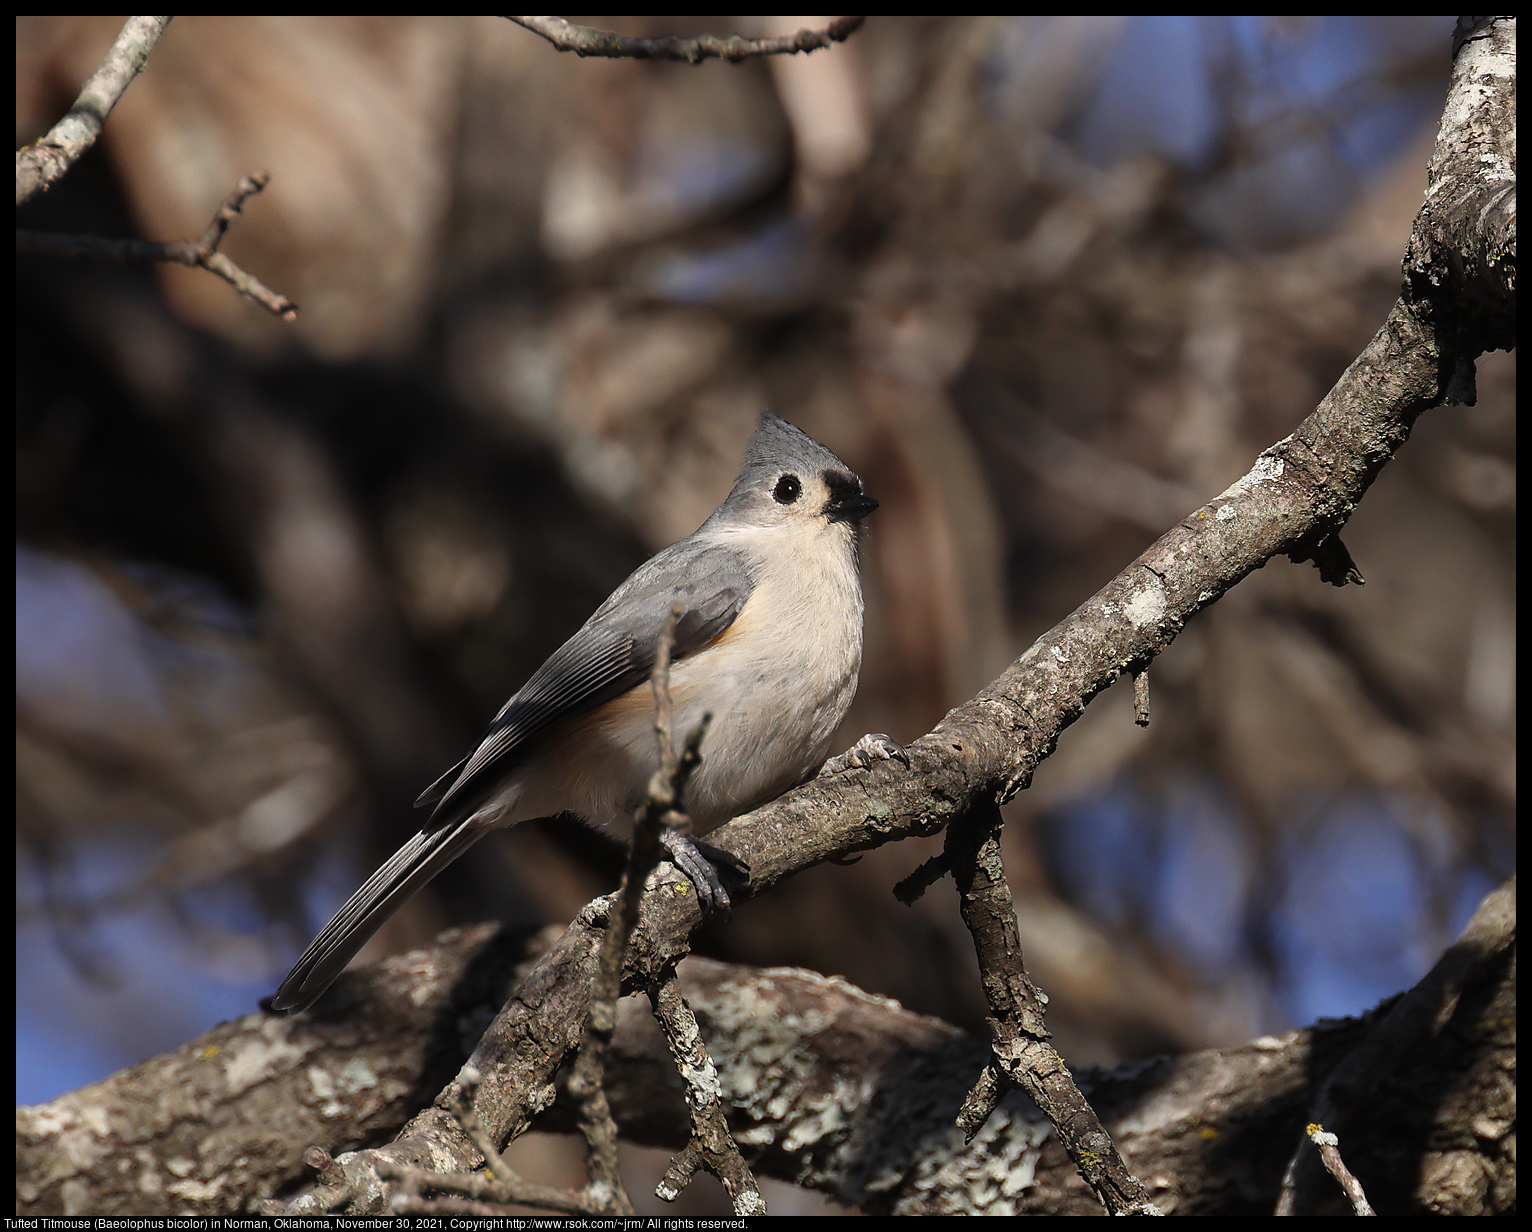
(1141, 696)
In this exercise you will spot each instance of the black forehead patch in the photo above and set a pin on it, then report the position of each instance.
(841, 483)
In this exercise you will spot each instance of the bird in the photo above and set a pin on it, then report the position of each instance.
(767, 642)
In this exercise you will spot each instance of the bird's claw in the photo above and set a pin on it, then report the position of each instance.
(702, 862)
(873, 747)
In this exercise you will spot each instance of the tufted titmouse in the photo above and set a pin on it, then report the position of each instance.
(769, 642)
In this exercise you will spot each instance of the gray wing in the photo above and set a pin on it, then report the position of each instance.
(613, 651)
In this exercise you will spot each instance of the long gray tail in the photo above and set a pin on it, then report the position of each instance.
(401, 875)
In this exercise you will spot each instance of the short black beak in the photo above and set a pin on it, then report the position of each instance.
(852, 507)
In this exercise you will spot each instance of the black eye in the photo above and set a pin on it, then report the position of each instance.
(788, 490)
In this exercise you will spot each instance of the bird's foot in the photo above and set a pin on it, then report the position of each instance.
(873, 747)
(702, 863)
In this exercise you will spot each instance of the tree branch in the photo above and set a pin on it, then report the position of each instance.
(1021, 1052)
(585, 41)
(40, 165)
(836, 1090)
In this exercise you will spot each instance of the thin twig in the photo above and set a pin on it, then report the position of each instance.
(662, 807)
(586, 41)
(1329, 1151)
(40, 165)
(201, 253)
(911, 888)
